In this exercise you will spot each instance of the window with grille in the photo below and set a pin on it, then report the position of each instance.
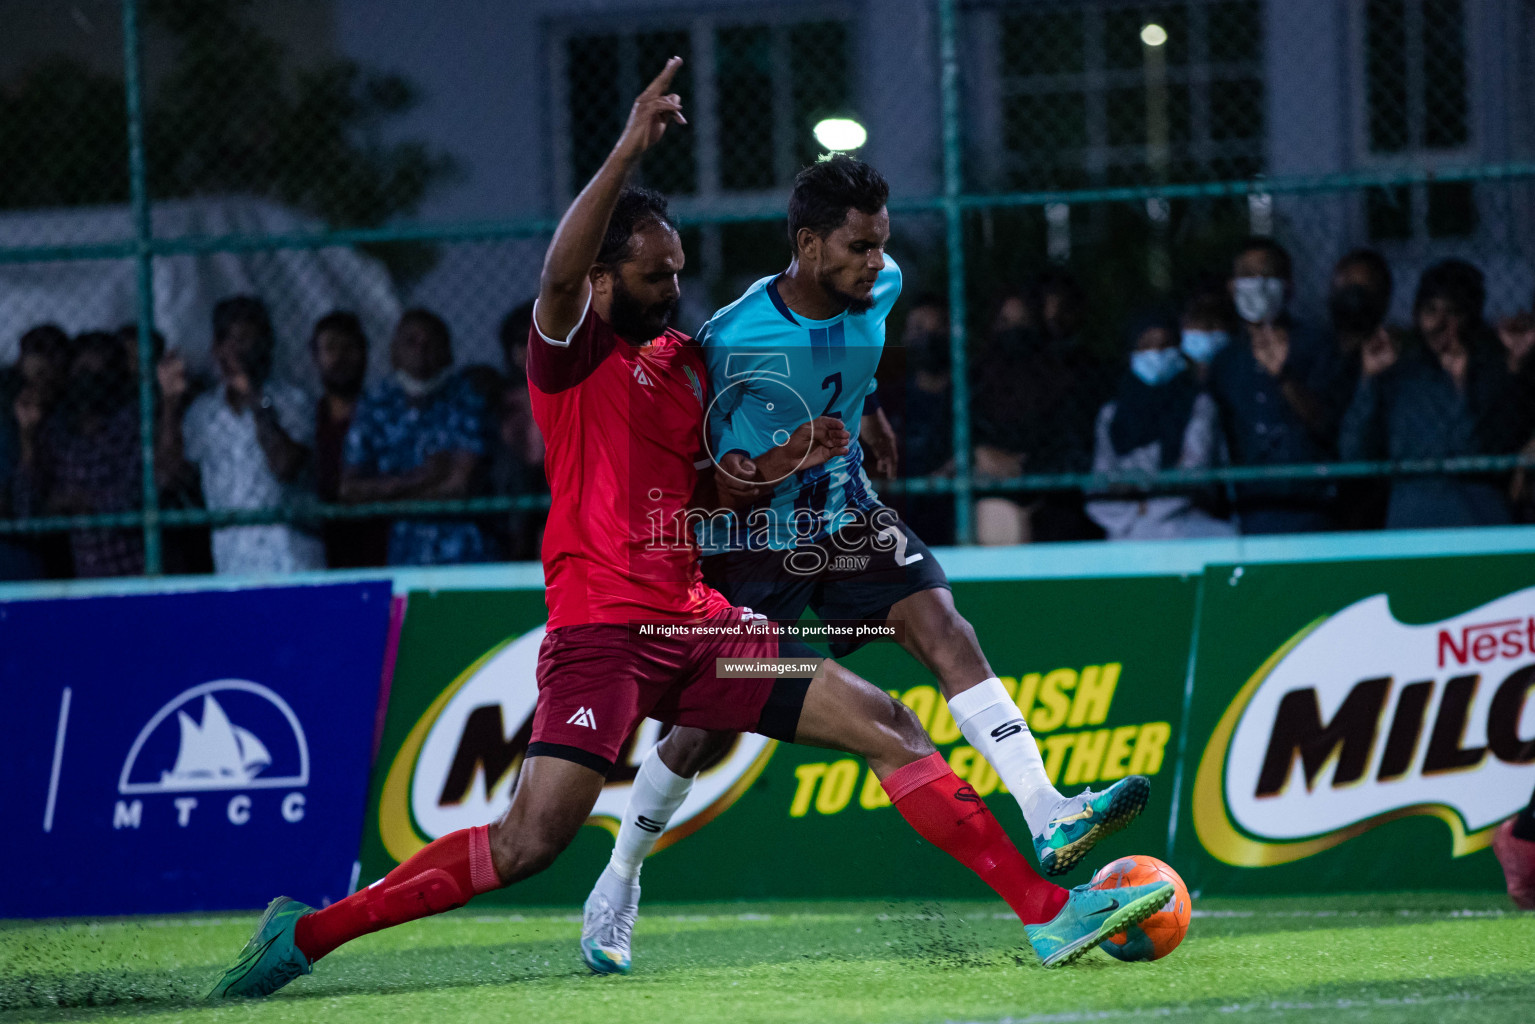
(752, 90)
(1417, 105)
(1083, 101)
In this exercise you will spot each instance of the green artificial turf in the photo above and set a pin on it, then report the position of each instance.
(1437, 958)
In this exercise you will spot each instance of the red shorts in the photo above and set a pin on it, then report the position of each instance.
(597, 682)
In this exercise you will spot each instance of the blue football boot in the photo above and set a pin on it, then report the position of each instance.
(270, 959)
(1081, 821)
(1092, 915)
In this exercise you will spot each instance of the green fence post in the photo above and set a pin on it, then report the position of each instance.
(954, 237)
(144, 267)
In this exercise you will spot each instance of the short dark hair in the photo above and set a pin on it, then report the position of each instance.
(1459, 282)
(1207, 298)
(635, 208)
(241, 309)
(1373, 262)
(340, 321)
(128, 337)
(825, 191)
(104, 342)
(45, 339)
(1263, 243)
(929, 298)
(1053, 281)
(430, 322)
(516, 327)
(1150, 318)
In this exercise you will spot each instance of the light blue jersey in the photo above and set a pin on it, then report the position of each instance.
(771, 370)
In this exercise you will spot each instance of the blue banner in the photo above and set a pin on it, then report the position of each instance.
(180, 752)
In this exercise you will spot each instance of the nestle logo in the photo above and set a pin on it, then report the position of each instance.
(1486, 641)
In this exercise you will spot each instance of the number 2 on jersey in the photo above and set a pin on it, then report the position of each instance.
(833, 381)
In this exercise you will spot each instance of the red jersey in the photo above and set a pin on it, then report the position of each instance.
(623, 430)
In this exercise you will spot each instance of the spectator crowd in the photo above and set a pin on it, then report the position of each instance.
(244, 440)
(1228, 376)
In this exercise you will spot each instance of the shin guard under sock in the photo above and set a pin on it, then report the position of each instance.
(991, 721)
(658, 792)
(442, 876)
(947, 812)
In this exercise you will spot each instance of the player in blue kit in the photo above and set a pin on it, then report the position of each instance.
(798, 347)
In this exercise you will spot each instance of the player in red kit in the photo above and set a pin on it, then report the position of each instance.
(620, 399)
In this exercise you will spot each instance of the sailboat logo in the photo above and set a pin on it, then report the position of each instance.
(218, 742)
(216, 751)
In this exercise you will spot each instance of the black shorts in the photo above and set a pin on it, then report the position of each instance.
(855, 575)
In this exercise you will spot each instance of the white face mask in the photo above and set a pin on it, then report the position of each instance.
(1201, 346)
(1259, 300)
(418, 389)
(1156, 366)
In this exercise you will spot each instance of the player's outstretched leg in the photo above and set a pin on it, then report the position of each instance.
(1514, 844)
(607, 920)
(1064, 828)
(920, 784)
(843, 712)
(551, 802)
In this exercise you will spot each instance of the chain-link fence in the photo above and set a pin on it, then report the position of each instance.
(1091, 342)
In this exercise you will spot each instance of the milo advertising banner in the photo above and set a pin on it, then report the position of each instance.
(1099, 668)
(1358, 725)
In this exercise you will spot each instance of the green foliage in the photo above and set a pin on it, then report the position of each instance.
(63, 138)
(230, 115)
(233, 118)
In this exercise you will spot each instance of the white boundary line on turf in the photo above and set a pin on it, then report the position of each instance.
(1274, 1006)
(516, 918)
(1405, 912)
(1343, 914)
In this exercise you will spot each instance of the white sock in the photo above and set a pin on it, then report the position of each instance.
(991, 721)
(658, 792)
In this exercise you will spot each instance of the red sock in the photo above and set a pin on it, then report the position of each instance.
(442, 876)
(948, 813)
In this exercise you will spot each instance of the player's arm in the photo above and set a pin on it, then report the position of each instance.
(724, 480)
(285, 456)
(718, 489)
(877, 435)
(565, 285)
(812, 444)
(730, 483)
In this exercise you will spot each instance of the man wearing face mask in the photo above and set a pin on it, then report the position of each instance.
(419, 435)
(1159, 419)
(1272, 385)
(1357, 304)
(1455, 391)
(1206, 324)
